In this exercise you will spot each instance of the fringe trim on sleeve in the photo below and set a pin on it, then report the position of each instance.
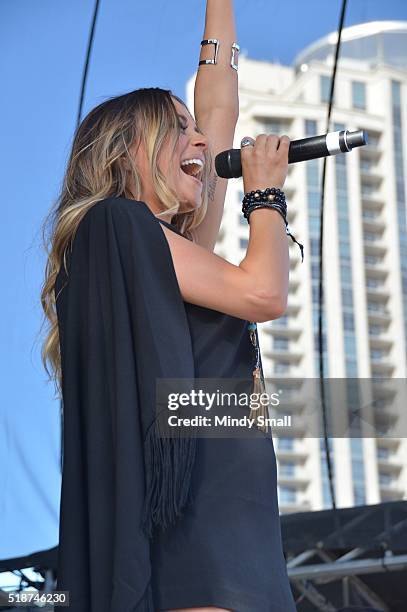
(169, 463)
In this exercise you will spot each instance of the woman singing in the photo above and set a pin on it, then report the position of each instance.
(134, 294)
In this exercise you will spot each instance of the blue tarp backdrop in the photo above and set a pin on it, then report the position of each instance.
(29, 478)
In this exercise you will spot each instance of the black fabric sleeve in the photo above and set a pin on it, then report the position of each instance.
(122, 325)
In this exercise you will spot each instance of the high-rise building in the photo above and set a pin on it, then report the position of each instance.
(364, 253)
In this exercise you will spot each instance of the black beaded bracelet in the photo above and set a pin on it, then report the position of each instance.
(272, 197)
(264, 193)
(271, 194)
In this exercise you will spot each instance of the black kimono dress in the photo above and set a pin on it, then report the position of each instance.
(226, 551)
(122, 326)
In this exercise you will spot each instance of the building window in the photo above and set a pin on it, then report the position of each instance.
(359, 495)
(287, 495)
(314, 224)
(274, 125)
(350, 345)
(315, 294)
(281, 321)
(315, 270)
(285, 444)
(348, 321)
(358, 94)
(358, 471)
(281, 367)
(372, 259)
(280, 343)
(243, 242)
(316, 340)
(310, 127)
(377, 307)
(314, 200)
(346, 273)
(286, 468)
(383, 453)
(385, 479)
(351, 368)
(324, 88)
(314, 247)
(368, 190)
(347, 298)
(370, 236)
(343, 226)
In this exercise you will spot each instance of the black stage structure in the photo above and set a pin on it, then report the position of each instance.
(344, 559)
(349, 558)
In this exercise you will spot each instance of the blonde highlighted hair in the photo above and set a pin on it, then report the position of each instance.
(100, 166)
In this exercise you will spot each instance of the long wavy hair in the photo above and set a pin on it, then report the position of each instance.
(100, 166)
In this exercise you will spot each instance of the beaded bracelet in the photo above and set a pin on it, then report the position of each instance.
(271, 194)
(271, 197)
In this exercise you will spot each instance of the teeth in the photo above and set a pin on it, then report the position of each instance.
(192, 161)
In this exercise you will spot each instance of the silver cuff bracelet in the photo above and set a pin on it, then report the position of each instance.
(235, 48)
(210, 41)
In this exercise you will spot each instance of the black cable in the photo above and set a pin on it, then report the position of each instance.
(320, 293)
(86, 66)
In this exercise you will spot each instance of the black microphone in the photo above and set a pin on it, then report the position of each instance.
(228, 164)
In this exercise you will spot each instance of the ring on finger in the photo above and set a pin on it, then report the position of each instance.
(247, 142)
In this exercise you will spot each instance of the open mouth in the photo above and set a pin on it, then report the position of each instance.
(193, 168)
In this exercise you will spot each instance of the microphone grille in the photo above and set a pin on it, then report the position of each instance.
(228, 164)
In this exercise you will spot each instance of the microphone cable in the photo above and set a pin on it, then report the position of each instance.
(320, 287)
(86, 65)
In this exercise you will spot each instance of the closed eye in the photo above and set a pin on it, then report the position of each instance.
(183, 127)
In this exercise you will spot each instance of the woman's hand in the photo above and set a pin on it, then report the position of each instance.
(266, 163)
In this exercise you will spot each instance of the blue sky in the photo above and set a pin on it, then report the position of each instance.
(137, 43)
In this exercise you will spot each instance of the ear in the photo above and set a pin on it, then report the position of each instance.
(125, 162)
(134, 152)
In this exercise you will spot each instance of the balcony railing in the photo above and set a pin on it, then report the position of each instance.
(373, 260)
(377, 307)
(372, 236)
(374, 283)
(378, 312)
(378, 293)
(370, 215)
(366, 165)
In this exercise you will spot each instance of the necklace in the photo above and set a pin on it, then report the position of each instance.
(259, 387)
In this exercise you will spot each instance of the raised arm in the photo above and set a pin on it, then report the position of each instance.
(216, 106)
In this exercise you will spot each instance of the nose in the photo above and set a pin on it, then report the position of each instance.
(200, 140)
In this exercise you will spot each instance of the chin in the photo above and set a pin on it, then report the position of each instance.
(188, 205)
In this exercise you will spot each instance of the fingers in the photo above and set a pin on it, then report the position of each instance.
(265, 143)
(284, 143)
(246, 141)
(247, 145)
(272, 143)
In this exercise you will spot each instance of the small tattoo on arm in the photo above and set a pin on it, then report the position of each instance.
(212, 187)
